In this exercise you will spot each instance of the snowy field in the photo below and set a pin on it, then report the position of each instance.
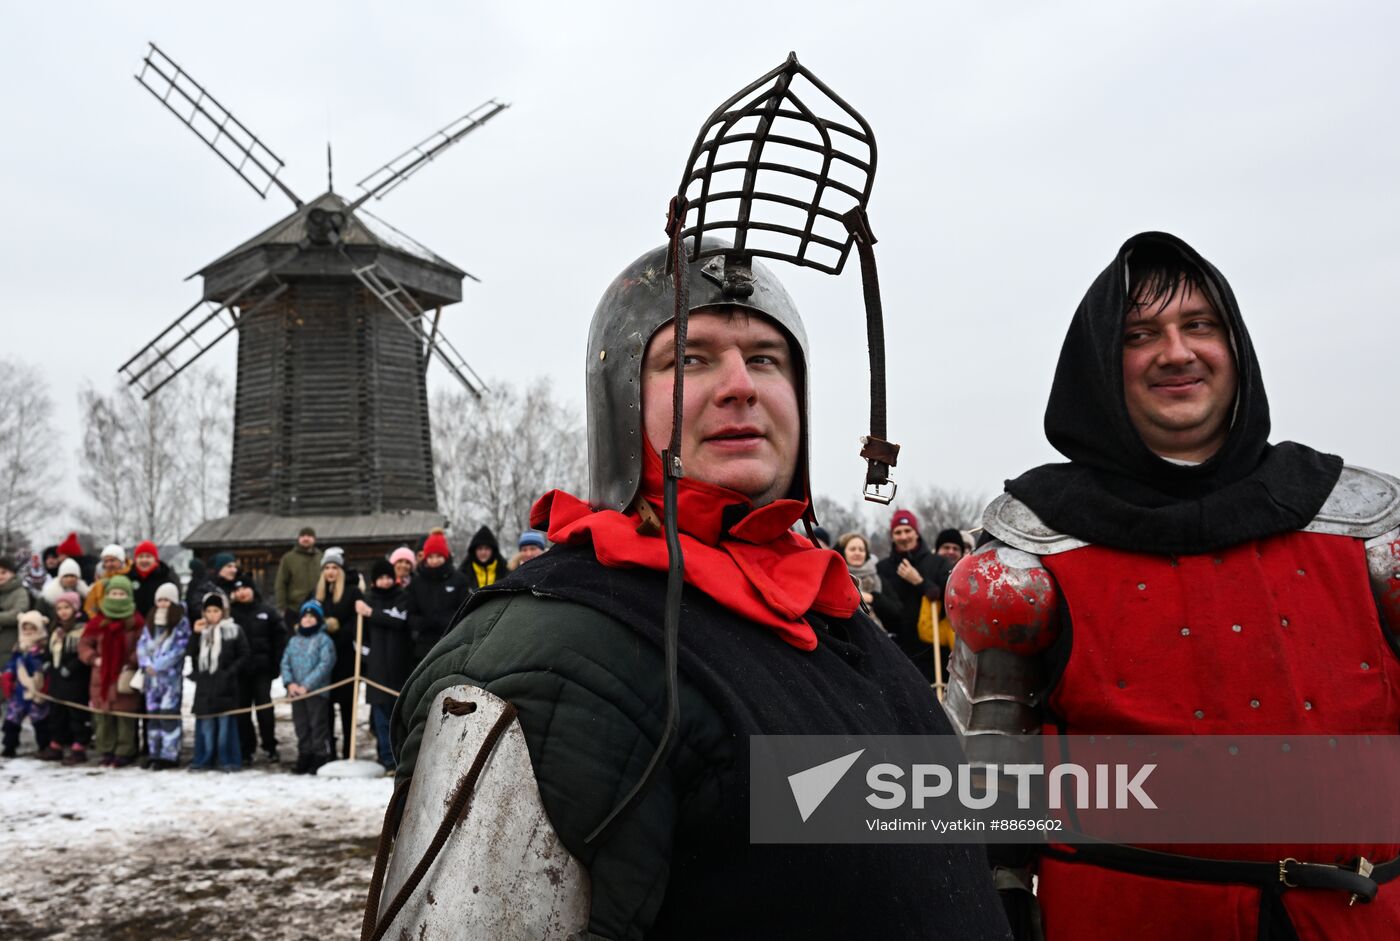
(163, 856)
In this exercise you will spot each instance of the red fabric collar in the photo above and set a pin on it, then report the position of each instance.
(757, 567)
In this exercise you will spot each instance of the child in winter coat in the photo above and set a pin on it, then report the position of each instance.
(220, 656)
(306, 665)
(70, 728)
(109, 647)
(160, 653)
(24, 683)
(390, 651)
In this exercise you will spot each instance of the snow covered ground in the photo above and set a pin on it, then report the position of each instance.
(129, 854)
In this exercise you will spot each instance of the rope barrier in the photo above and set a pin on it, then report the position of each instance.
(214, 715)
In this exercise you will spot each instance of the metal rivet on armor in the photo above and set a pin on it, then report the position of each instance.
(1365, 665)
(1234, 749)
(602, 354)
(1142, 585)
(1283, 621)
(1200, 713)
(1254, 704)
(1186, 632)
(1122, 684)
(1307, 704)
(1236, 628)
(1301, 572)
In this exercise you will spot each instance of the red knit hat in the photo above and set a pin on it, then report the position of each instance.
(70, 546)
(146, 546)
(436, 544)
(904, 518)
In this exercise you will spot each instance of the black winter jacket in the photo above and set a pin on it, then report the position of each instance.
(390, 645)
(220, 688)
(340, 623)
(267, 636)
(434, 597)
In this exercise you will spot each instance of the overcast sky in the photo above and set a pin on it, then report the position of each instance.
(1020, 143)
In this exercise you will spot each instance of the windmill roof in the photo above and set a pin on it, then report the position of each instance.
(361, 228)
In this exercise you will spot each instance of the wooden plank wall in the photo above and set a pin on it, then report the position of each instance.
(331, 410)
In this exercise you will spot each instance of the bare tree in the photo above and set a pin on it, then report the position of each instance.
(27, 443)
(839, 518)
(495, 456)
(135, 464)
(208, 443)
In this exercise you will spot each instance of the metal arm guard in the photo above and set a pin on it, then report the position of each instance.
(502, 874)
(1004, 606)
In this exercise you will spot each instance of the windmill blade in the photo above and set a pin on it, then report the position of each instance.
(211, 122)
(193, 334)
(402, 305)
(381, 181)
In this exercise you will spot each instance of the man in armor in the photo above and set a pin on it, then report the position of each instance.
(1180, 576)
(772, 640)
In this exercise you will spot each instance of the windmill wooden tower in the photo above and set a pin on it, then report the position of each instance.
(337, 315)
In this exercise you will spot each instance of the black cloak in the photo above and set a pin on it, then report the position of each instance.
(1115, 491)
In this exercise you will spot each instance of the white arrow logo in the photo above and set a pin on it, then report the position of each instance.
(810, 787)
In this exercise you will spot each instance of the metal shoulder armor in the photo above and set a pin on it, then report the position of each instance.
(1004, 605)
(1364, 504)
(1383, 563)
(503, 874)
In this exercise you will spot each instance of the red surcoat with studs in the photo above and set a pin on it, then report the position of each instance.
(1275, 636)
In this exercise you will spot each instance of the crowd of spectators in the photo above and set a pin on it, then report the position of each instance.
(100, 649)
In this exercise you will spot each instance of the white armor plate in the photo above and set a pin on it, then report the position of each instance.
(503, 874)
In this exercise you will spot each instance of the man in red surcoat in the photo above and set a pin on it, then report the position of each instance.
(1180, 575)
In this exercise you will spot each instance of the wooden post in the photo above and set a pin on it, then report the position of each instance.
(938, 685)
(355, 686)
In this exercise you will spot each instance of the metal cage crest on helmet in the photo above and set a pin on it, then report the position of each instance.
(777, 177)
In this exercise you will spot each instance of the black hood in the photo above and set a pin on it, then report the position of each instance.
(483, 537)
(1116, 491)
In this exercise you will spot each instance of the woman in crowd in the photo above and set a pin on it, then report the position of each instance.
(884, 605)
(337, 591)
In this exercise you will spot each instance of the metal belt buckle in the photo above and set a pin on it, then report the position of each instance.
(1283, 872)
(1363, 868)
(875, 493)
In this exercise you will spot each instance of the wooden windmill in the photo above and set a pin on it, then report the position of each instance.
(337, 315)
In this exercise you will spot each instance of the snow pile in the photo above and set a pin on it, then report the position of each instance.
(118, 854)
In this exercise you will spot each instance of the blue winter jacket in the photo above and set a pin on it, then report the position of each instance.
(308, 660)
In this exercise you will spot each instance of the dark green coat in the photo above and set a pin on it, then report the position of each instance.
(574, 647)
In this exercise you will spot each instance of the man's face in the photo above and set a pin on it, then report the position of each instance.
(243, 594)
(905, 538)
(950, 551)
(111, 564)
(228, 572)
(483, 554)
(5, 575)
(1179, 377)
(306, 541)
(529, 552)
(742, 425)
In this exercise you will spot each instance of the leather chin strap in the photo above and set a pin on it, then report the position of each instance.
(880, 454)
(675, 574)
